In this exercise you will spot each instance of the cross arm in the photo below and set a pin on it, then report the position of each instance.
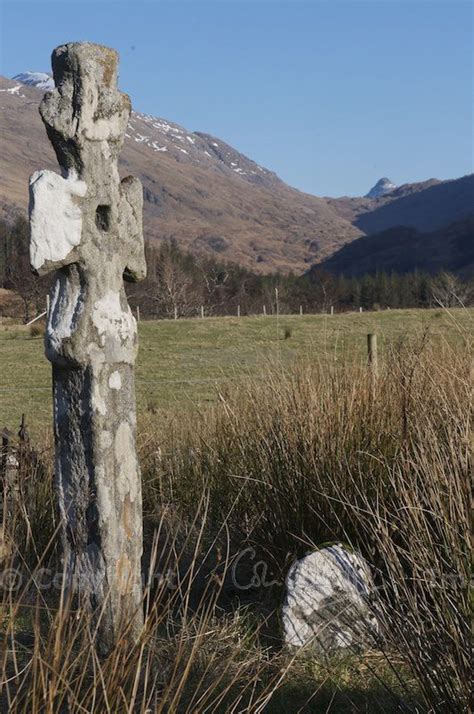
(55, 220)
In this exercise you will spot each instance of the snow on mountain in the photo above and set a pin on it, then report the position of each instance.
(157, 135)
(381, 188)
(13, 91)
(41, 80)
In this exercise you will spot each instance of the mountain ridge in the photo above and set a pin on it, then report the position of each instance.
(207, 197)
(40, 80)
(403, 249)
(210, 197)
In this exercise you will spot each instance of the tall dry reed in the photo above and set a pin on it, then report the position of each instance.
(282, 465)
(319, 454)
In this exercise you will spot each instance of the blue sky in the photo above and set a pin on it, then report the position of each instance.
(331, 95)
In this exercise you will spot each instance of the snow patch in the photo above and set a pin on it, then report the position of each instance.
(381, 188)
(40, 80)
(14, 91)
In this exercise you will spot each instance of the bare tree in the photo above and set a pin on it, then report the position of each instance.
(18, 275)
(450, 291)
(171, 285)
(214, 277)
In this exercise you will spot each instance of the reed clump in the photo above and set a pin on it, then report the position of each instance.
(282, 464)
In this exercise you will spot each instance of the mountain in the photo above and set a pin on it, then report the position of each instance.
(426, 206)
(404, 249)
(210, 197)
(197, 189)
(381, 188)
(41, 80)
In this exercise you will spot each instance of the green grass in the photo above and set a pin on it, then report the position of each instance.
(187, 361)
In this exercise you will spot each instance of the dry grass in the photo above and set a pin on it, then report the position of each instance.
(282, 464)
(380, 463)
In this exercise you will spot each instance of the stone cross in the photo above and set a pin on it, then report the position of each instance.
(87, 226)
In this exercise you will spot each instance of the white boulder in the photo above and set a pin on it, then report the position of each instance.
(327, 606)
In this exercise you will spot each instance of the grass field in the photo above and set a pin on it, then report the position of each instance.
(185, 362)
(294, 445)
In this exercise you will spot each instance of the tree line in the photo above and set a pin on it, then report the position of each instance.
(180, 284)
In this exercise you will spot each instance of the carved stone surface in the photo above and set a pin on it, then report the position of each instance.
(327, 607)
(87, 225)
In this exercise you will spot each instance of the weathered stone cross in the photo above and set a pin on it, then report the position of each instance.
(87, 225)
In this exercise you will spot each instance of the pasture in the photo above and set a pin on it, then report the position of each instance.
(184, 363)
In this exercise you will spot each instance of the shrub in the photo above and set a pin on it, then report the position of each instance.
(37, 329)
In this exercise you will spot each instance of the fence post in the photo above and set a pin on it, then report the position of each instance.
(6, 434)
(264, 311)
(372, 355)
(202, 311)
(360, 309)
(176, 313)
(138, 313)
(38, 317)
(25, 460)
(23, 432)
(301, 309)
(332, 309)
(238, 310)
(9, 470)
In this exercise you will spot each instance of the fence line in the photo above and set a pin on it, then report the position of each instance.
(38, 317)
(138, 381)
(204, 380)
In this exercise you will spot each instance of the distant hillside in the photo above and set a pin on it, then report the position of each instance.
(197, 189)
(426, 206)
(404, 249)
(215, 200)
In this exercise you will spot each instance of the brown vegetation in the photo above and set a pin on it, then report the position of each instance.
(281, 464)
